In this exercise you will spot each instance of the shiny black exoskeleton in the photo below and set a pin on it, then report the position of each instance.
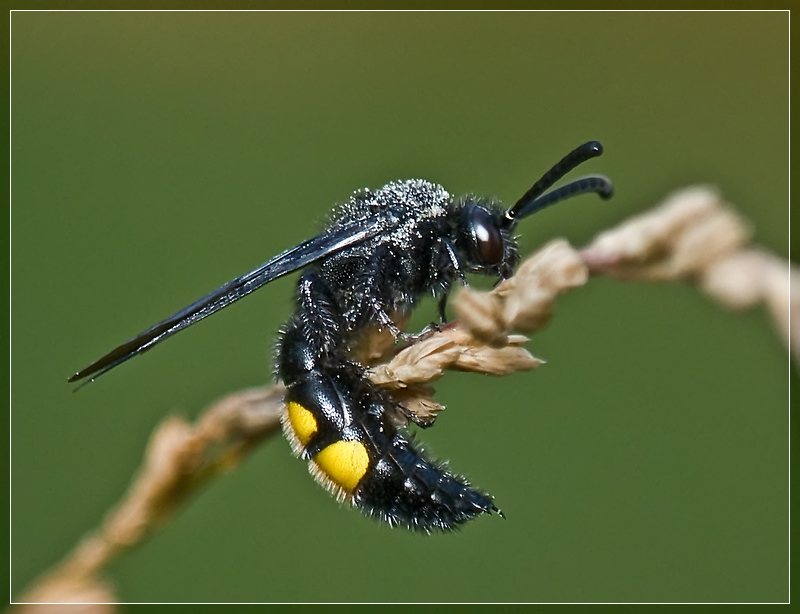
(379, 254)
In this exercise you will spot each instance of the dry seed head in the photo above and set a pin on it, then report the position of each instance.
(679, 238)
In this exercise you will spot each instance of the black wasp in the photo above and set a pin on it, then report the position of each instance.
(379, 254)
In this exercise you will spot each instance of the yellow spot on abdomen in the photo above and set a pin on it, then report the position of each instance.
(344, 462)
(303, 422)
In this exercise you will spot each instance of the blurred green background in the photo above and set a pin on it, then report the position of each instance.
(158, 155)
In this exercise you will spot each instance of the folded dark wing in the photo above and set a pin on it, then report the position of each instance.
(325, 244)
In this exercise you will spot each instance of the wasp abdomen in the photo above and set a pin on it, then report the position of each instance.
(405, 488)
(341, 423)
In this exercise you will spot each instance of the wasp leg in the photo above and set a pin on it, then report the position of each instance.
(312, 338)
(376, 279)
(453, 265)
(426, 332)
(415, 418)
(450, 250)
(443, 309)
(385, 320)
(401, 335)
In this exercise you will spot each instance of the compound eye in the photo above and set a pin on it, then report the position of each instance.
(488, 240)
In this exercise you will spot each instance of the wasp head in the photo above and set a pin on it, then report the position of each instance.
(483, 239)
(484, 236)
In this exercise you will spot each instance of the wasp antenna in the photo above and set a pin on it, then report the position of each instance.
(594, 183)
(577, 156)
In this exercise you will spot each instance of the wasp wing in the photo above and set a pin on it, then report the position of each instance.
(325, 244)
